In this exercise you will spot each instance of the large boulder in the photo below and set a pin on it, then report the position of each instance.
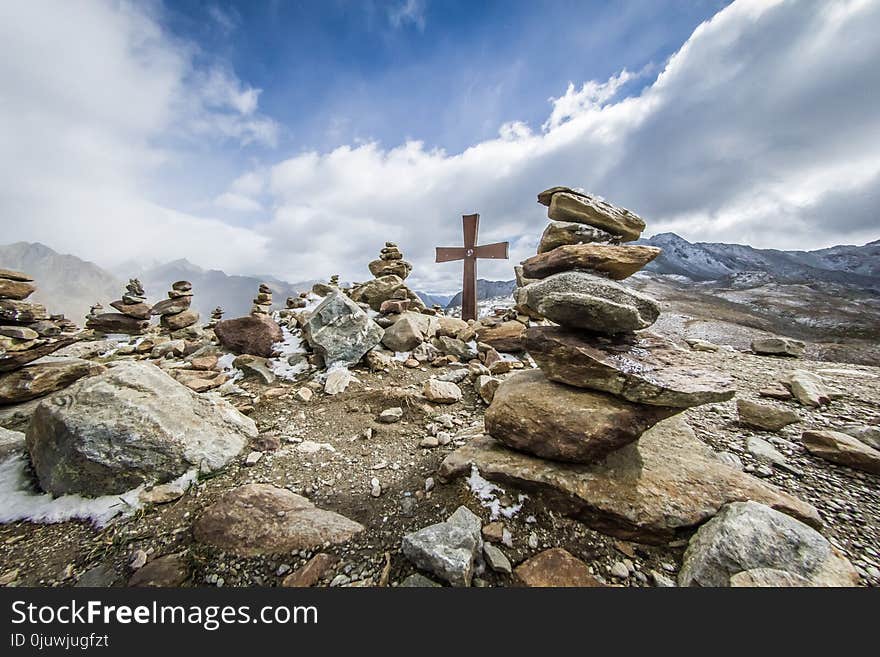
(44, 377)
(560, 233)
(568, 205)
(554, 421)
(340, 331)
(403, 335)
(586, 301)
(745, 536)
(128, 426)
(653, 490)
(257, 519)
(842, 449)
(615, 262)
(253, 334)
(643, 368)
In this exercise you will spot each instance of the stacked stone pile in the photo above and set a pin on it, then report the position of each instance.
(132, 318)
(216, 315)
(389, 272)
(597, 428)
(28, 334)
(175, 312)
(263, 301)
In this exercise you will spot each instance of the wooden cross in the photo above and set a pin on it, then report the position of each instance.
(469, 253)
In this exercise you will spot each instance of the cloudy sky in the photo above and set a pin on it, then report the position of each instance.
(293, 139)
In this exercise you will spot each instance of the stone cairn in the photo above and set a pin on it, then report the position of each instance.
(133, 317)
(263, 301)
(216, 315)
(292, 312)
(593, 350)
(27, 331)
(175, 312)
(387, 293)
(593, 427)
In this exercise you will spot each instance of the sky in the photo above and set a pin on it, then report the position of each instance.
(293, 139)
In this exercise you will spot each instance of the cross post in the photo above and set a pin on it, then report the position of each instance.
(469, 253)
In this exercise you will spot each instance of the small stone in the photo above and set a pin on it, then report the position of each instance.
(253, 458)
(138, 559)
(391, 415)
(619, 570)
(441, 392)
(375, 487)
(496, 559)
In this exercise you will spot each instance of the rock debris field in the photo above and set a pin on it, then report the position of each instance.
(351, 436)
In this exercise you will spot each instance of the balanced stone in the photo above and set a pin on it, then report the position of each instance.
(175, 310)
(390, 263)
(12, 275)
(640, 367)
(615, 262)
(551, 420)
(171, 306)
(581, 300)
(653, 490)
(586, 209)
(18, 290)
(16, 311)
(561, 233)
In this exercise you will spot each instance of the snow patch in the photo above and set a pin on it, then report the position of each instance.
(487, 493)
(224, 363)
(291, 345)
(19, 500)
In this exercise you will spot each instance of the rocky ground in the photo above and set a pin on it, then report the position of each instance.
(335, 451)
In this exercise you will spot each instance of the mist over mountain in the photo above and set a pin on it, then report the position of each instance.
(65, 284)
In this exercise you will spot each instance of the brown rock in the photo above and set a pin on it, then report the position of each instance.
(169, 571)
(266, 442)
(249, 335)
(117, 323)
(554, 421)
(203, 383)
(180, 320)
(654, 490)
(585, 209)
(21, 312)
(842, 449)
(18, 332)
(640, 367)
(506, 336)
(204, 362)
(136, 310)
(441, 392)
(15, 289)
(39, 379)
(776, 391)
(13, 360)
(171, 306)
(764, 416)
(390, 267)
(616, 262)
(311, 573)
(555, 568)
(259, 519)
(560, 233)
(392, 306)
(12, 275)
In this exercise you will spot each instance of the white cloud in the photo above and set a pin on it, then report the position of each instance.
(757, 130)
(407, 12)
(762, 129)
(94, 95)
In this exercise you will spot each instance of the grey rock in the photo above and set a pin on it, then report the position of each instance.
(764, 416)
(747, 535)
(417, 580)
(255, 366)
(11, 442)
(455, 347)
(340, 331)
(808, 388)
(496, 559)
(580, 300)
(130, 425)
(867, 434)
(447, 549)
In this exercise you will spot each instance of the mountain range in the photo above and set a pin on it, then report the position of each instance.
(66, 284)
(703, 261)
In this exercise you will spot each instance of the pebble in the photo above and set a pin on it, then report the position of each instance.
(375, 487)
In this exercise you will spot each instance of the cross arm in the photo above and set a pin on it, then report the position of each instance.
(497, 251)
(449, 253)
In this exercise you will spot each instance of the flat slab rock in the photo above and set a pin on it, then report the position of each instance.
(842, 449)
(555, 421)
(640, 367)
(47, 376)
(560, 233)
(585, 301)
(615, 262)
(651, 491)
(257, 519)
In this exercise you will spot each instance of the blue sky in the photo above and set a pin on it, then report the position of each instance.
(447, 73)
(294, 138)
